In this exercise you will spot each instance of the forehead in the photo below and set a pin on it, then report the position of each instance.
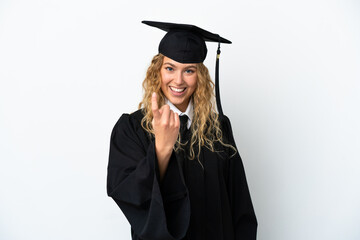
(175, 63)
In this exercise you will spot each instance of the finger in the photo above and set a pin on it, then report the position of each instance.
(154, 106)
(165, 114)
(177, 120)
(171, 119)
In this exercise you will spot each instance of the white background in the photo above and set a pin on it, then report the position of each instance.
(289, 83)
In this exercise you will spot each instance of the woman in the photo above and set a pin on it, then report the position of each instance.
(174, 169)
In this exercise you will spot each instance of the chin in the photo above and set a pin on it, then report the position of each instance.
(177, 103)
(177, 100)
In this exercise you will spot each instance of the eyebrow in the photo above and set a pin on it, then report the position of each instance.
(169, 64)
(190, 66)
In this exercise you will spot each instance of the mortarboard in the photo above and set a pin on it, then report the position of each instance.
(185, 43)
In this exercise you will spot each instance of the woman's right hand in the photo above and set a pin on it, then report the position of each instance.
(166, 126)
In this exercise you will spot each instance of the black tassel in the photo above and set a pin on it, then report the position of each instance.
(217, 88)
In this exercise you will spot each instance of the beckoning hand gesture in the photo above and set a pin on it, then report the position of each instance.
(166, 126)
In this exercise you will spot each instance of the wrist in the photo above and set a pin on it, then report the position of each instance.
(164, 149)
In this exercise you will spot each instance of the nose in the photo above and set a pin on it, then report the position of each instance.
(178, 78)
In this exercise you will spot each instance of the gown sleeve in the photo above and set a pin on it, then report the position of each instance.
(133, 183)
(244, 219)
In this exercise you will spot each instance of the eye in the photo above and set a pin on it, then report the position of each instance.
(189, 71)
(169, 68)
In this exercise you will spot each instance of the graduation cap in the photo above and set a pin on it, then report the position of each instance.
(185, 43)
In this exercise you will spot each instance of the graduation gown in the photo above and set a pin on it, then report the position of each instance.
(191, 202)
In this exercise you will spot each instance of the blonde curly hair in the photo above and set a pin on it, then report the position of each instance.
(205, 126)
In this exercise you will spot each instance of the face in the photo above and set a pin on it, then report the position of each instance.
(179, 82)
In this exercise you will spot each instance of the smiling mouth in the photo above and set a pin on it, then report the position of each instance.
(178, 90)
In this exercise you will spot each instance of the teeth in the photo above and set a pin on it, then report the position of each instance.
(177, 89)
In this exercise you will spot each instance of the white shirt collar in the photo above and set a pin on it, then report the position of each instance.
(188, 112)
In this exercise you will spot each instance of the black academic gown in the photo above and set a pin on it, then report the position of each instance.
(191, 202)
